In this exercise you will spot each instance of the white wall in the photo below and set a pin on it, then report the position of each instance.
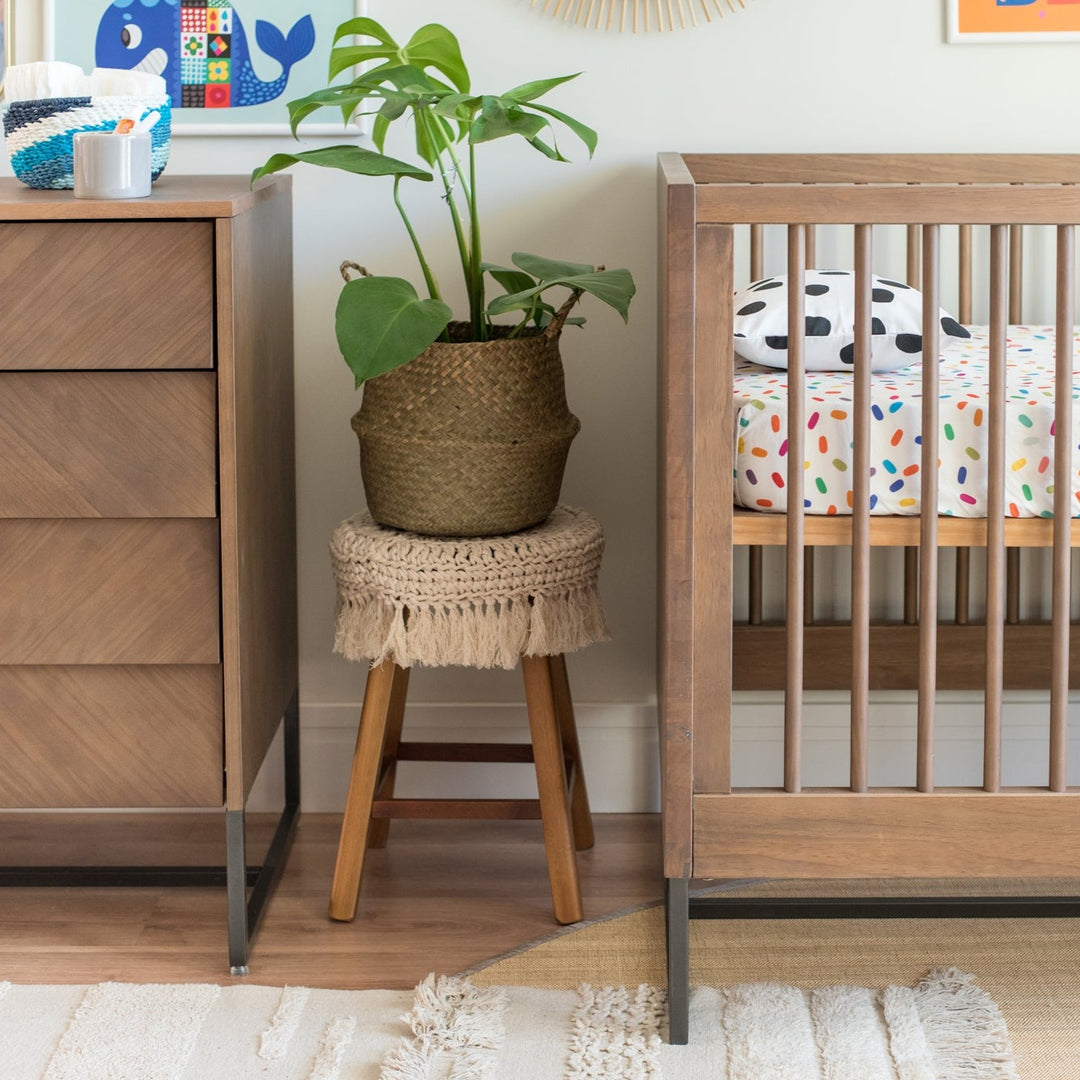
(783, 75)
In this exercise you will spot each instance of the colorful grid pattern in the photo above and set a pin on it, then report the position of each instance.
(206, 54)
(895, 436)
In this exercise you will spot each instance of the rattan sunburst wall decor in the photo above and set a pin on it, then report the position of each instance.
(637, 15)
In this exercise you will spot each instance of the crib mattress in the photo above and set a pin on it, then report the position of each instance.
(895, 439)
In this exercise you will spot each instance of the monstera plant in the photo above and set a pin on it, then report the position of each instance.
(448, 407)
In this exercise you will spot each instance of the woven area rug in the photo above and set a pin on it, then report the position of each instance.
(945, 1028)
(1028, 966)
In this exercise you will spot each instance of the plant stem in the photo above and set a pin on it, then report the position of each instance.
(429, 277)
(437, 139)
(476, 278)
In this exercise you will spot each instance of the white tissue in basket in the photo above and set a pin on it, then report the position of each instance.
(55, 79)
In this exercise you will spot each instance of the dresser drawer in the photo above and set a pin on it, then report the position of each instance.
(111, 736)
(108, 444)
(136, 591)
(106, 294)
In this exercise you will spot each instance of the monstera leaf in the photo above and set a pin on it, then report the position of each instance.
(382, 324)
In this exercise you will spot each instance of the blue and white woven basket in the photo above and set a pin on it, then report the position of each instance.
(38, 134)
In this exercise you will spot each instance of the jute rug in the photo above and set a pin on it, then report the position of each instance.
(945, 1028)
(1030, 967)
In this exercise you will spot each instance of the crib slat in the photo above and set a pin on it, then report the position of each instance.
(964, 308)
(911, 586)
(860, 514)
(995, 510)
(754, 614)
(1016, 316)
(795, 509)
(757, 272)
(963, 585)
(928, 521)
(1063, 474)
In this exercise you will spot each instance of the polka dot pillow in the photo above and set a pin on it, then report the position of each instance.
(761, 322)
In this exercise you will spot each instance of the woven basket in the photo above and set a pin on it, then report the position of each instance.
(38, 134)
(468, 439)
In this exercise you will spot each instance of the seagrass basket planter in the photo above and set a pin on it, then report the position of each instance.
(468, 439)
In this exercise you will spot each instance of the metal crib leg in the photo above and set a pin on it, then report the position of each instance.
(677, 910)
(236, 887)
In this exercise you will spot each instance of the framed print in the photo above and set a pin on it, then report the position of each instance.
(229, 65)
(1008, 21)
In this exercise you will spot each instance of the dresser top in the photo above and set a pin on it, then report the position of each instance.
(171, 197)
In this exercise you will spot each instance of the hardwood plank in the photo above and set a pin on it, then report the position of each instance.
(258, 481)
(443, 896)
(676, 501)
(149, 304)
(108, 444)
(824, 530)
(173, 196)
(110, 736)
(894, 659)
(134, 591)
(841, 834)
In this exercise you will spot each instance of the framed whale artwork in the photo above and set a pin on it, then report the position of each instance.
(1008, 21)
(230, 65)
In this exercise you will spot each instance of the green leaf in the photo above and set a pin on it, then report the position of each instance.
(531, 90)
(614, 287)
(499, 118)
(542, 268)
(348, 158)
(511, 280)
(583, 132)
(382, 324)
(432, 46)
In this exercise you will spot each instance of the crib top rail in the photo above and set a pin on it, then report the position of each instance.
(879, 188)
(882, 168)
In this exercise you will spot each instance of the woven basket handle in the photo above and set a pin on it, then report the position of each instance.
(555, 327)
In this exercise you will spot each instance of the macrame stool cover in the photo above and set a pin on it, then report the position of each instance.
(478, 602)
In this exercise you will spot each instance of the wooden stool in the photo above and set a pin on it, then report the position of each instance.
(488, 602)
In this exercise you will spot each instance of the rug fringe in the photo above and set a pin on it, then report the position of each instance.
(450, 1016)
(965, 1031)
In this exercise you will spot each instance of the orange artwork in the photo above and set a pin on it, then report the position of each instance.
(1017, 17)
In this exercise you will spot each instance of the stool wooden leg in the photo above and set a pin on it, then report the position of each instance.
(365, 773)
(379, 830)
(579, 798)
(551, 783)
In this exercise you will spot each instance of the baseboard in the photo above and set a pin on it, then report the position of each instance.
(619, 747)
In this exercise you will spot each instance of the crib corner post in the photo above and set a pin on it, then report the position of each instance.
(677, 911)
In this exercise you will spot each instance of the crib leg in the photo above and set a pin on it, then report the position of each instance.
(677, 910)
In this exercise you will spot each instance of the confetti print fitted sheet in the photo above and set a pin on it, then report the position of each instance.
(895, 441)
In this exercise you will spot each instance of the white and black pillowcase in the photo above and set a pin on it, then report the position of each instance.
(761, 322)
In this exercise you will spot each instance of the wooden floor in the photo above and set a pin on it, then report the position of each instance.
(443, 896)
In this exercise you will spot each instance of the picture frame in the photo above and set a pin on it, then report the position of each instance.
(70, 29)
(1007, 22)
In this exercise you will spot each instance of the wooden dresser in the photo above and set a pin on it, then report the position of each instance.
(148, 649)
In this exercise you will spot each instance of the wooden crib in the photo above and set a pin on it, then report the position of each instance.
(718, 212)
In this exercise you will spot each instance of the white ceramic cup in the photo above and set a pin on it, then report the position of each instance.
(110, 166)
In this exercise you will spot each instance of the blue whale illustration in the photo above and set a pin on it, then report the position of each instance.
(199, 48)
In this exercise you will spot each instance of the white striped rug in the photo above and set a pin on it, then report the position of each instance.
(946, 1028)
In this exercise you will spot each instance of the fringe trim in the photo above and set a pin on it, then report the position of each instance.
(965, 1032)
(452, 1022)
(274, 1042)
(335, 1041)
(484, 634)
(614, 1036)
